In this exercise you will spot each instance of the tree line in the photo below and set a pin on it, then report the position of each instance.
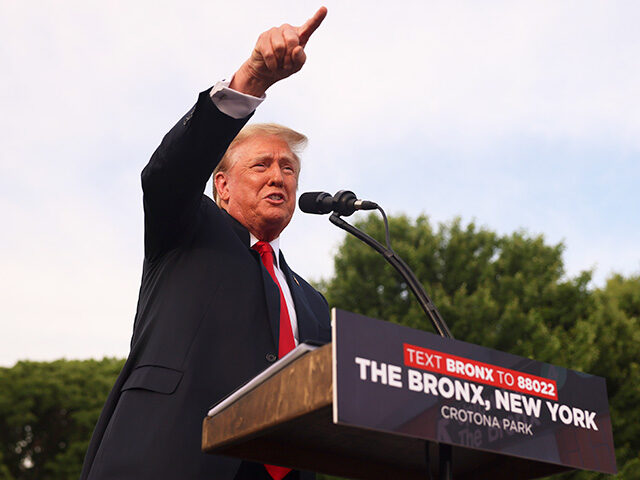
(508, 292)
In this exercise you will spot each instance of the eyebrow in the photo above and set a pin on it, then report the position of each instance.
(266, 156)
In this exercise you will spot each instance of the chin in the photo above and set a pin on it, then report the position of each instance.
(277, 222)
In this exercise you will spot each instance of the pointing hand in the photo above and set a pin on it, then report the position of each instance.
(279, 53)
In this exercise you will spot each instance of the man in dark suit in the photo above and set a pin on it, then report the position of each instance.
(211, 313)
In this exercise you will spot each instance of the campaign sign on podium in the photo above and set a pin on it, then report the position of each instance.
(396, 379)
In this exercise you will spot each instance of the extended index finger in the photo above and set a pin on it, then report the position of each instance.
(310, 26)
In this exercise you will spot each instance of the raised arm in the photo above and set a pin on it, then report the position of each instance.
(175, 178)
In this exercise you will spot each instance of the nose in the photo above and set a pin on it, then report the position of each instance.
(275, 174)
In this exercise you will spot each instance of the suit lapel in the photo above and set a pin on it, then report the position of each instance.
(272, 295)
(307, 324)
(271, 291)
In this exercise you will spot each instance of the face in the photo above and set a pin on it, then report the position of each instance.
(259, 190)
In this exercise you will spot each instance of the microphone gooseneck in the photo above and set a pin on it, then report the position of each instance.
(344, 203)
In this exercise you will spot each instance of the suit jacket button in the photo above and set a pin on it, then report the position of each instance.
(271, 357)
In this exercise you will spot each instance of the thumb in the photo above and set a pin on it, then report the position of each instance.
(299, 57)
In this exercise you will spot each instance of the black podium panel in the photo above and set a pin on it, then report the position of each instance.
(486, 403)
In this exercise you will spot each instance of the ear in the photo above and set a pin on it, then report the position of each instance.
(221, 184)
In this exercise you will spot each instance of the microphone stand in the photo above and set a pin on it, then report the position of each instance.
(403, 269)
(444, 450)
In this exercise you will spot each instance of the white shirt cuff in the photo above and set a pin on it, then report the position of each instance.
(233, 103)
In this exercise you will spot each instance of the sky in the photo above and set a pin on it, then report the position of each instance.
(519, 116)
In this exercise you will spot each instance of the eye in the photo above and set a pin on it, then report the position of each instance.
(289, 168)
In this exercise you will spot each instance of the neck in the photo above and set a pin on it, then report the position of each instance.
(263, 234)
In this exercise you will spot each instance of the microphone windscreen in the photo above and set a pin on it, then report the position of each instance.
(315, 202)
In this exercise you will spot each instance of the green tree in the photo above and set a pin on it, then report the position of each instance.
(508, 292)
(613, 352)
(47, 413)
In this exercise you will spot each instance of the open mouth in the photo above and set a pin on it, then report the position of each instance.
(276, 197)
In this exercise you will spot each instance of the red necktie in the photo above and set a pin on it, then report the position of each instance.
(286, 343)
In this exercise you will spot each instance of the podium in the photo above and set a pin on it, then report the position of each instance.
(327, 413)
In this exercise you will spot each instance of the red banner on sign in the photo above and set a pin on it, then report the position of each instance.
(460, 367)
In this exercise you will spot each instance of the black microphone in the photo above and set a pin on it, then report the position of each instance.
(343, 203)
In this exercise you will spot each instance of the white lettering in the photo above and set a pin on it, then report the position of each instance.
(462, 391)
(395, 376)
(532, 406)
(378, 372)
(508, 379)
(578, 418)
(438, 358)
(430, 384)
(502, 400)
(415, 380)
(516, 402)
(553, 409)
(565, 414)
(489, 374)
(451, 366)
(477, 394)
(364, 363)
(590, 418)
(411, 353)
(445, 387)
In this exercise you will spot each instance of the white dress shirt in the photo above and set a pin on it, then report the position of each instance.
(284, 286)
(233, 103)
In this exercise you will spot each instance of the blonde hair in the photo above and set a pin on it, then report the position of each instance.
(296, 141)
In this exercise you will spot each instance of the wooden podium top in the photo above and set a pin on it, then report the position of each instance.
(288, 420)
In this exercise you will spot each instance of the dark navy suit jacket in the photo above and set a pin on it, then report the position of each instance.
(207, 318)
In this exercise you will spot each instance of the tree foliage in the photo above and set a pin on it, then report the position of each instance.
(47, 413)
(508, 292)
